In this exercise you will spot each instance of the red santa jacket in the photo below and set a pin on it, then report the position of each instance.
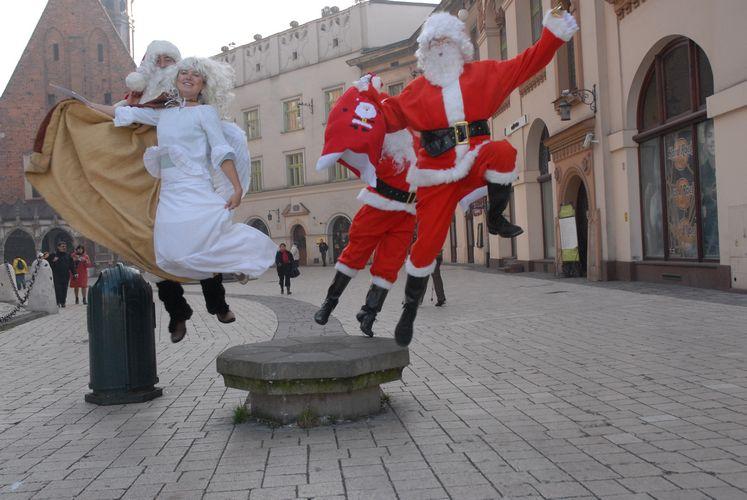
(397, 157)
(477, 95)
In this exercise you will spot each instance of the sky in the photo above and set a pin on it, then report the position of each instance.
(197, 27)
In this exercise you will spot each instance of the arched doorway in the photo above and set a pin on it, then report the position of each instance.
(298, 237)
(19, 243)
(582, 226)
(54, 236)
(259, 225)
(340, 235)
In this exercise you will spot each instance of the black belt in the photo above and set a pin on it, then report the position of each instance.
(393, 193)
(439, 141)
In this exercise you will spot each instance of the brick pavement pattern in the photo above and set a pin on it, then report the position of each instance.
(521, 387)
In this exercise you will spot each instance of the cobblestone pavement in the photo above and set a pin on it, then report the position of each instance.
(521, 386)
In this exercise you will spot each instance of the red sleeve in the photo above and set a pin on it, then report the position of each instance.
(513, 72)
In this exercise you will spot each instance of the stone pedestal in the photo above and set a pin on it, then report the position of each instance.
(8, 284)
(333, 377)
(42, 296)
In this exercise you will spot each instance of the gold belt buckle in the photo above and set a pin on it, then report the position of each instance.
(466, 132)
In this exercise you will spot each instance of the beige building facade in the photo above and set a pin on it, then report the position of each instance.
(286, 85)
(636, 126)
(647, 155)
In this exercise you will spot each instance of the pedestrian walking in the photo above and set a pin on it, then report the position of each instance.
(62, 268)
(284, 266)
(82, 262)
(323, 247)
(438, 283)
(21, 268)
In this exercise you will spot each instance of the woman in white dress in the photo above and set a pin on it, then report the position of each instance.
(194, 236)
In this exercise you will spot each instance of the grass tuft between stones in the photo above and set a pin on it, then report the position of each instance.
(240, 414)
(385, 400)
(308, 419)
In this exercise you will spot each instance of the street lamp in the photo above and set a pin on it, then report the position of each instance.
(585, 96)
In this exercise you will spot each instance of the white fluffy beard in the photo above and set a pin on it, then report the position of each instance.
(441, 65)
(159, 81)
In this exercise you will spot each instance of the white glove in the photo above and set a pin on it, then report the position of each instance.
(563, 26)
(363, 83)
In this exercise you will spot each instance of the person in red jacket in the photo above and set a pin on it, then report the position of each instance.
(383, 226)
(450, 105)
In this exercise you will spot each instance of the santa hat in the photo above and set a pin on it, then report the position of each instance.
(444, 25)
(138, 80)
(354, 135)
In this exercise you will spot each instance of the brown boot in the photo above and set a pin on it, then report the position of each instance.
(226, 317)
(178, 330)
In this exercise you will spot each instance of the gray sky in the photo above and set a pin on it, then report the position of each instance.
(197, 27)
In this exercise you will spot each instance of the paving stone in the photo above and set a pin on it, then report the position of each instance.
(626, 397)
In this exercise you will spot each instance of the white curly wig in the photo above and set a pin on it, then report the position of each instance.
(444, 25)
(218, 78)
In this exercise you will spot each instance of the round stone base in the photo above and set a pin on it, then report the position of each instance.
(123, 397)
(292, 408)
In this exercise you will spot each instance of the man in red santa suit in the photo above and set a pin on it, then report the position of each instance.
(384, 226)
(450, 106)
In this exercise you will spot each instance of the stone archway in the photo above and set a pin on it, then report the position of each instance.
(574, 178)
(340, 235)
(54, 236)
(259, 225)
(298, 237)
(19, 243)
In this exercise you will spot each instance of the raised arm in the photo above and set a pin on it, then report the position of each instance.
(558, 29)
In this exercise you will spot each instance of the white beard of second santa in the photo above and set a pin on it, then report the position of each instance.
(442, 65)
(160, 81)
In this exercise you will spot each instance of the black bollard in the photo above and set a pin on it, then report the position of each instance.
(121, 338)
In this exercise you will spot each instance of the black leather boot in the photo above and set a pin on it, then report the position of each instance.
(414, 289)
(171, 294)
(338, 285)
(498, 197)
(374, 302)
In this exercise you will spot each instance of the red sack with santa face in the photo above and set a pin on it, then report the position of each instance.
(354, 134)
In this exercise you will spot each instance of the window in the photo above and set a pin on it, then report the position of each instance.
(330, 98)
(108, 98)
(100, 51)
(255, 185)
(535, 13)
(294, 163)
(568, 58)
(51, 99)
(395, 88)
(677, 157)
(294, 56)
(56, 51)
(339, 173)
(251, 119)
(335, 42)
(502, 42)
(292, 115)
(473, 39)
(257, 67)
(545, 181)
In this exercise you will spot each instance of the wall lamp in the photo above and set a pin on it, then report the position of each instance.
(585, 96)
(277, 212)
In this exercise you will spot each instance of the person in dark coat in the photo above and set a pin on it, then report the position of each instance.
(62, 268)
(284, 265)
(438, 283)
(323, 247)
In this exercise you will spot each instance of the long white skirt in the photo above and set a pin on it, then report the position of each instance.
(194, 236)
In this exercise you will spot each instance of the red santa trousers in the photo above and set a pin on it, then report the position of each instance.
(436, 204)
(385, 232)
